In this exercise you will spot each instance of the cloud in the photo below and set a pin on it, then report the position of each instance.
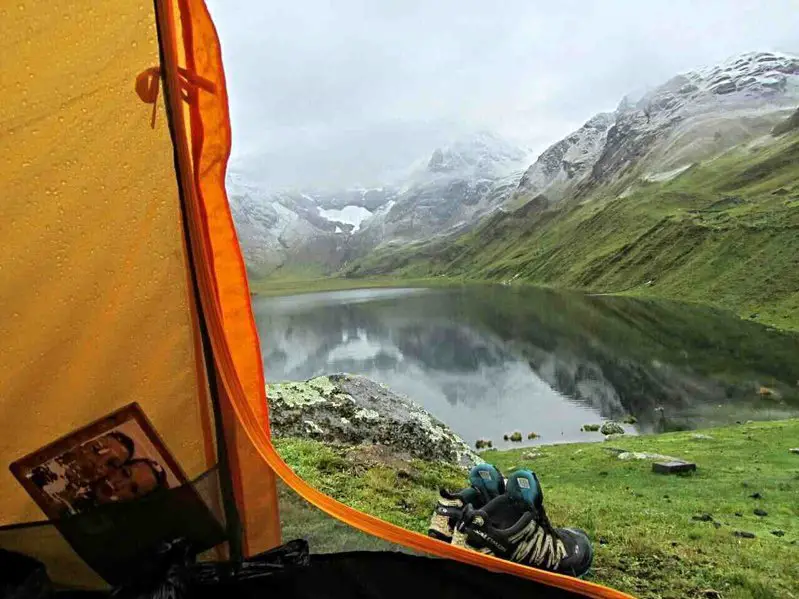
(336, 92)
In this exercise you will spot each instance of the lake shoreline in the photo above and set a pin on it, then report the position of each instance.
(268, 287)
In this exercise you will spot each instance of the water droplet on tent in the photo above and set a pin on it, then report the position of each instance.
(21, 6)
(26, 164)
(133, 44)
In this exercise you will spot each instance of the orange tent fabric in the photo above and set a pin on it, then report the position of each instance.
(101, 262)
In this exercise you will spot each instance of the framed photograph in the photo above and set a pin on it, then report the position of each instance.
(115, 459)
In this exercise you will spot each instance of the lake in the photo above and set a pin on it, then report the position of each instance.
(490, 360)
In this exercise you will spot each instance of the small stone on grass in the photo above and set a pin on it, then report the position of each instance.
(673, 467)
(743, 534)
(778, 533)
(761, 513)
(703, 518)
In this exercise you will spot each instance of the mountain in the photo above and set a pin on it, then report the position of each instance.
(691, 117)
(690, 192)
(456, 186)
(278, 230)
(321, 230)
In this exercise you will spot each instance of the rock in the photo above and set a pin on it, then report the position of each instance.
(761, 513)
(674, 467)
(703, 518)
(531, 436)
(516, 437)
(743, 534)
(794, 450)
(483, 444)
(766, 392)
(505, 437)
(354, 410)
(711, 594)
(630, 420)
(641, 455)
(613, 437)
(717, 524)
(756, 496)
(739, 514)
(590, 428)
(611, 428)
(531, 455)
(699, 437)
(778, 533)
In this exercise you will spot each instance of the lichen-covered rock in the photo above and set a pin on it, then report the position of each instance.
(611, 428)
(352, 410)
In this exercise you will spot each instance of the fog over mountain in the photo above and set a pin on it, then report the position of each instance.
(331, 95)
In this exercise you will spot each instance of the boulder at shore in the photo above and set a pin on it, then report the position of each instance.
(353, 410)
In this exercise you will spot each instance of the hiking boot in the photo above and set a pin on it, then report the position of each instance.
(485, 482)
(515, 526)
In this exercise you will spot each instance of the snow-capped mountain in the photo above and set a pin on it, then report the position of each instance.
(691, 117)
(279, 229)
(452, 188)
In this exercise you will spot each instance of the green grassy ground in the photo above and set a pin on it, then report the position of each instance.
(647, 542)
(725, 233)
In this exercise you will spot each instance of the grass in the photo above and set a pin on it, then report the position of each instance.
(641, 523)
(725, 233)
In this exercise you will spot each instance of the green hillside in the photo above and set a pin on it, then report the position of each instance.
(724, 232)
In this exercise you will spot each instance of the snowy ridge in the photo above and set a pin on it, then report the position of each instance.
(690, 117)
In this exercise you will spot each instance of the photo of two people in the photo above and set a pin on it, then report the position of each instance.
(116, 459)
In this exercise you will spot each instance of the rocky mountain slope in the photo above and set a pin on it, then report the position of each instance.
(691, 117)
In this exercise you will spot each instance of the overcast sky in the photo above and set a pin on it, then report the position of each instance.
(339, 92)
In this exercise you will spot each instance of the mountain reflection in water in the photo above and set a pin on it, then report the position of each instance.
(489, 360)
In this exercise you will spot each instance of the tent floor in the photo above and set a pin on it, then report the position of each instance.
(375, 575)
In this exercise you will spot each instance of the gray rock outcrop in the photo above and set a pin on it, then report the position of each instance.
(354, 410)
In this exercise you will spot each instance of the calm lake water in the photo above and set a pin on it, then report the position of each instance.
(490, 360)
